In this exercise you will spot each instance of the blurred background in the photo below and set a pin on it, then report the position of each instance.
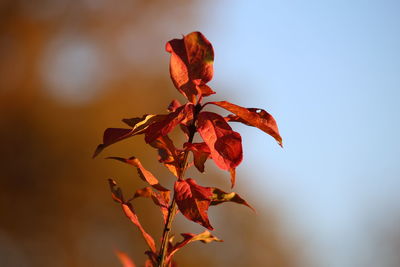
(327, 70)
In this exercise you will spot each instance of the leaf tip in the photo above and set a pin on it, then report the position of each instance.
(279, 140)
(125, 260)
(233, 176)
(98, 150)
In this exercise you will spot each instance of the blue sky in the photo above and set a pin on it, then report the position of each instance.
(329, 71)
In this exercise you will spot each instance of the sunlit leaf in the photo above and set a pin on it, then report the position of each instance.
(124, 259)
(191, 65)
(139, 125)
(205, 237)
(181, 115)
(144, 174)
(224, 143)
(193, 201)
(220, 196)
(252, 116)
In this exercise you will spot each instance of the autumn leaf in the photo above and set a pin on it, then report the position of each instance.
(193, 201)
(181, 115)
(130, 213)
(144, 174)
(124, 259)
(220, 196)
(191, 65)
(224, 143)
(253, 117)
(168, 154)
(140, 124)
(161, 199)
(201, 152)
(113, 135)
(205, 237)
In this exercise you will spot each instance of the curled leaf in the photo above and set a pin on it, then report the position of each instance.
(253, 117)
(224, 143)
(205, 237)
(113, 135)
(191, 65)
(144, 174)
(193, 201)
(220, 196)
(181, 115)
(201, 152)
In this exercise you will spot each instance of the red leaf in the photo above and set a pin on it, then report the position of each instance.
(139, 125)
(224, 143)
(144, 174)
(160, 199)
(191, 65)
(252, 116)
(129, 212)
(193, 201)
(220, 196)
(205, 237)
(168, 154)
(201, 152)
(125, 260)
(181, 115)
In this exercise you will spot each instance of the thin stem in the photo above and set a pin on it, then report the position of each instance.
(174, 207)
(167, 229)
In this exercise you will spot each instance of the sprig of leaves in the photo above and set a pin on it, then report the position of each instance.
(191, 68)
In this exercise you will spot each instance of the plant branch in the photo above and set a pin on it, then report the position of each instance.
(174, 207)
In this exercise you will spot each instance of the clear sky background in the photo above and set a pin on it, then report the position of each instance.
(329, 71)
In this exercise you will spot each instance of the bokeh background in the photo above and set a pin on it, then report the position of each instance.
(329, 71)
